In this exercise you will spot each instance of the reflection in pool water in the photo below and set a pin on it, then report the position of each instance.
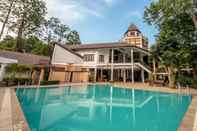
(101, 108)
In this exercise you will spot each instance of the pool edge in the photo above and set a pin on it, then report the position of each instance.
(189, 121)
(19, 121)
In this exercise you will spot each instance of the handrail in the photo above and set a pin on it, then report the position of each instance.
(145, 67)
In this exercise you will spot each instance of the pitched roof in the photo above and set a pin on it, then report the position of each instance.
(68, 49)
(101, 45)
(25, 58)
(133, 27)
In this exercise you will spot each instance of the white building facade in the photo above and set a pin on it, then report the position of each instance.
(116, 61)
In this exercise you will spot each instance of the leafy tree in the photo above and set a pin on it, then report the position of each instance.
(29, 15)
(177, 34)
(6, 8)
(8, 43)
(73, 38)
(62, 31)
(32, 44)
(53, 30)
(47, 30)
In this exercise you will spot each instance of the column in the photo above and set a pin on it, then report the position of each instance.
(124, 75)
(124, 58)
(142, 75)
(132, 65)
(141, 57)
(33, 76)
(95, 74)
(112, 66)
(2, 71)
(41, 75)
(102, 74)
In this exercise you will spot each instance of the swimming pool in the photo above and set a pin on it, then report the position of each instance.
(101, 108)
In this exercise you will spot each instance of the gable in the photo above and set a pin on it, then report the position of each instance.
(65, 56)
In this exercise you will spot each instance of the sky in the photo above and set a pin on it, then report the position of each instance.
(100, 21)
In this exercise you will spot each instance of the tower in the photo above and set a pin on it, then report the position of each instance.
(134, 37)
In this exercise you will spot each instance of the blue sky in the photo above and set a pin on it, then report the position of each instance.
(101, 20)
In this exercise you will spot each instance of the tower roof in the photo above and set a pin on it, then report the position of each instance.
(133, 27)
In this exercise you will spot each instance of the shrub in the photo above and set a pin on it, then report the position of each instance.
(184, 80)
(44, 82)
(15, 81)
(194, 84)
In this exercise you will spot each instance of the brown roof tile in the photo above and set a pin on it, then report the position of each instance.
(101, 45)
(25, 58)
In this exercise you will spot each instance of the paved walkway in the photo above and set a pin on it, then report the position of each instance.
(11, 115)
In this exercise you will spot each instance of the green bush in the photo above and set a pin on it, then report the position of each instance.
(15, 81)
(194, 84)
(49, 82)
(184, 80)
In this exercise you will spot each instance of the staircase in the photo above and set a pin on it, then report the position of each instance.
(144, 66)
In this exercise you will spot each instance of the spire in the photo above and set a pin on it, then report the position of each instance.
(133, 27)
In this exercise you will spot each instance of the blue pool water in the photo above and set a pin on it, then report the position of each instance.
(101, 108)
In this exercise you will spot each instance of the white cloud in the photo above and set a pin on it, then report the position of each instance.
(109, 2)
(71, 12)
(136, 14)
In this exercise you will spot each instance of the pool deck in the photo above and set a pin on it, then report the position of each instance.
(12, 117)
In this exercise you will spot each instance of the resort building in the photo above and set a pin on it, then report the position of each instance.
(126, 60)
(38, 64)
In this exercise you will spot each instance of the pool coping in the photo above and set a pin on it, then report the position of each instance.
(19, 121)
(13, 118)
(189, 121)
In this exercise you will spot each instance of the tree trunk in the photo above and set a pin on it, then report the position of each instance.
(194, 20)
(19, 41)
(6, 19)
(154, 69)
(171, 77)
(194, 76)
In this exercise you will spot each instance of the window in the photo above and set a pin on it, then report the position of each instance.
(132, 33)
(101, 58)
(88, 57)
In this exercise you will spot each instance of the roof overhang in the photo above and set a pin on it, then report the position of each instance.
(113, 45)
(4, 60)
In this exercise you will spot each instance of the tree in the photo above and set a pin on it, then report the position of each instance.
(29, 15)
(177, 33)
(6, 8)
(73, 38)
(194, 13)
(47, 29)
(62, 31)
(8, 43)
(53, 30)
(32, 44)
